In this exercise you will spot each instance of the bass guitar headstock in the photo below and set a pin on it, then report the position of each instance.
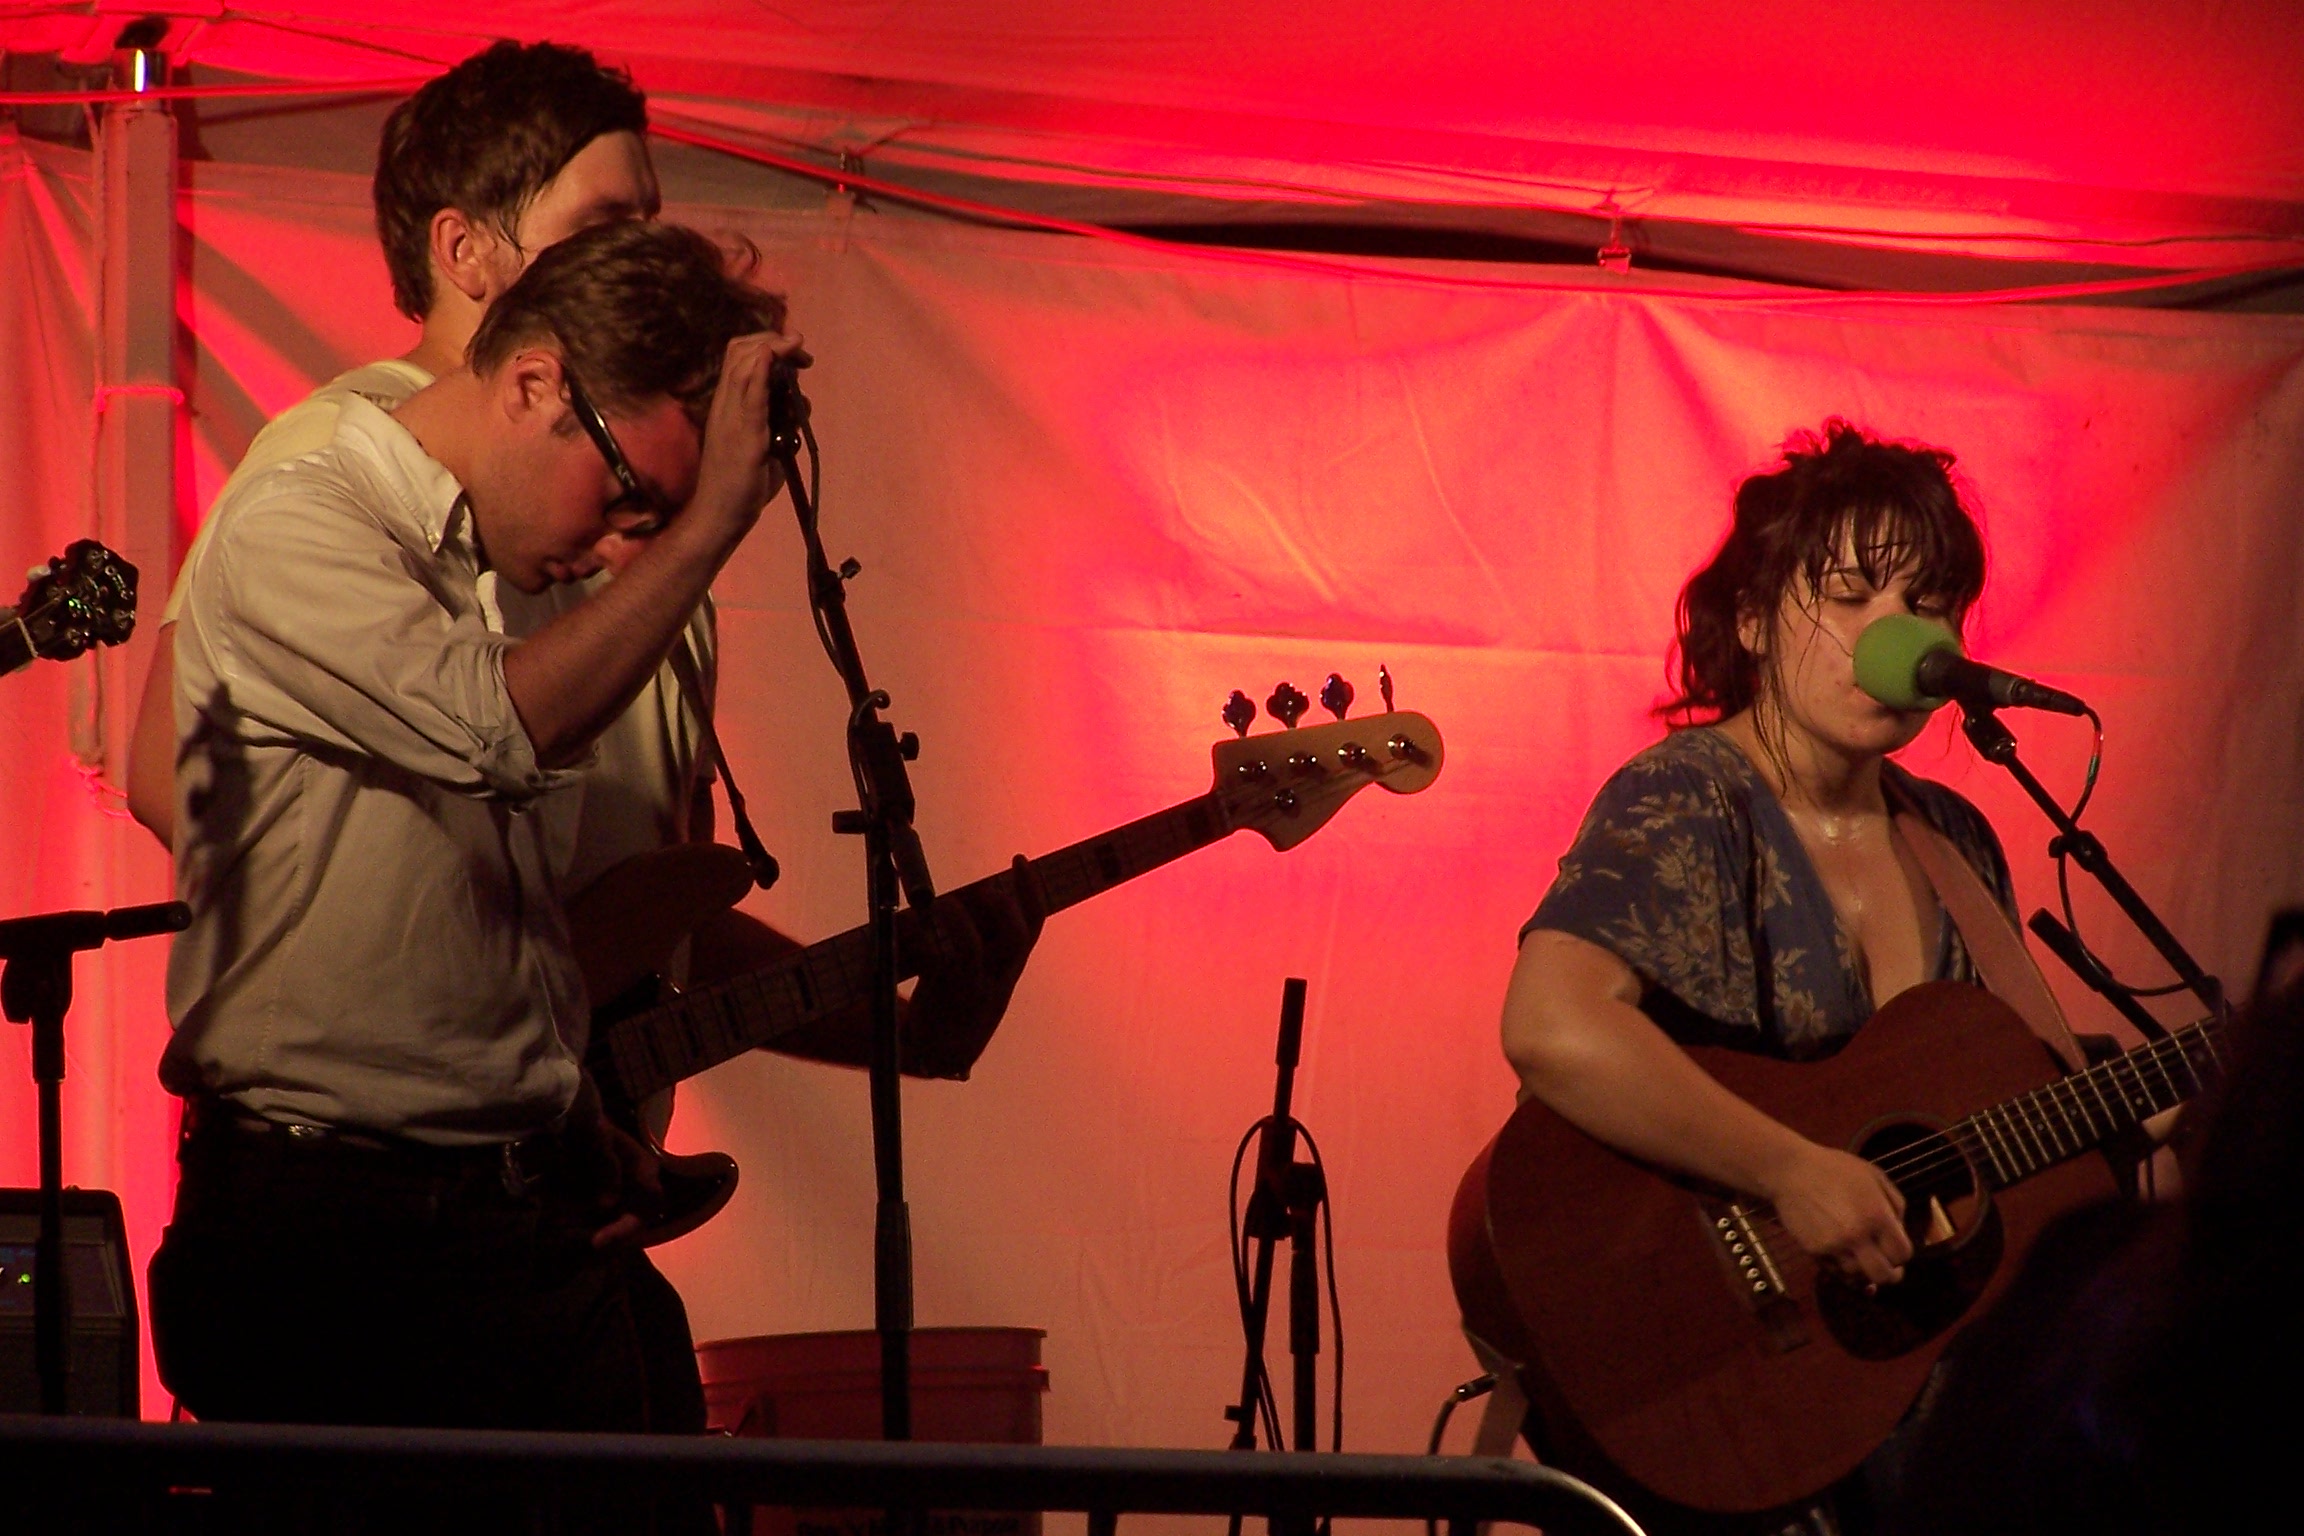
(84, 597)
(1285, 784)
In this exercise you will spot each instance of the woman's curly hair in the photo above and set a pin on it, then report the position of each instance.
(1835, 493)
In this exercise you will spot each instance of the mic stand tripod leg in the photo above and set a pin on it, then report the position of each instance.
(1246, 1413)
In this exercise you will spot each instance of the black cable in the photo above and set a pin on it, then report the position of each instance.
(1335, 1303)
(1478, 1386)
(1268, 1413)
(2061, 850)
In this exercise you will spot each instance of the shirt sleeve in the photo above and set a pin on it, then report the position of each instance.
(1653, 878)
(302, 428)
(318, 627)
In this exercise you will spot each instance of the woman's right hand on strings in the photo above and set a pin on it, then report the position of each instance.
(1843, 1211)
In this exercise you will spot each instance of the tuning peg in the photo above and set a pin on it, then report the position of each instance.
(1336, 695)
(1384, 686)
(1287, 705)
(1239, 712)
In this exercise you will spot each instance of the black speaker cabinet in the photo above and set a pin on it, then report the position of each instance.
(101, 1371)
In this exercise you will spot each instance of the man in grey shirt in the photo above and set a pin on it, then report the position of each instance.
(389, 1209)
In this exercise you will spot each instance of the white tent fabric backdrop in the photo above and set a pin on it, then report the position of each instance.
(1094, 488)
(2152, 132)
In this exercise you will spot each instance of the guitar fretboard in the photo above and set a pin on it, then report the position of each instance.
(649, 1052)
(2036, 1130)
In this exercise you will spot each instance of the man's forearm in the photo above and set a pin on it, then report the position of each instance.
(572, 678)
(152, 745)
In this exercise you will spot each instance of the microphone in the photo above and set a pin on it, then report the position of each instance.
(787, 407)
(1907, 662)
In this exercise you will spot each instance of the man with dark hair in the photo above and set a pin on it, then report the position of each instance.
(389, 1209)
(516, 148)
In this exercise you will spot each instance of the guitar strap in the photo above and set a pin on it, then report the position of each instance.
(2007, 967)
(756, 854)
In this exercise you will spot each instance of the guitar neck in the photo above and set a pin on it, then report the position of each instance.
(2012, 1141)
(16, 648)
(649, 1052)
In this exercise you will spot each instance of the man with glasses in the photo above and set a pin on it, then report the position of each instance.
(517, 147)
(389, 1205)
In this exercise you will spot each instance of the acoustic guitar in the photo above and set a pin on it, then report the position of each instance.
(1283, 785)
(1672, 1338)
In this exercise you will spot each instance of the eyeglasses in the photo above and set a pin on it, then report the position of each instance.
(637, 513)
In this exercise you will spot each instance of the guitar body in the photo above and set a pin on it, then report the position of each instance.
(626, 927)
(1283, 785)
(1671, 1341)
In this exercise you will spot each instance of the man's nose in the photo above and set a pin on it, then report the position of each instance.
(613, 551)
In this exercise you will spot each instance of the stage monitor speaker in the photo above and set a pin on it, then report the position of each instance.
(102, 1375)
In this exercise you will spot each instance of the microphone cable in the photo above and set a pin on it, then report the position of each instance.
(1463, 1392)
(2060, 849)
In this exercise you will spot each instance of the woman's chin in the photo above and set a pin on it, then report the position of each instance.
(1892, 733)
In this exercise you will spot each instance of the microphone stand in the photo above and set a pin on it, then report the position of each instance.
(36, 988)
(892, 860)
(1996, 743)
(1286, 1203)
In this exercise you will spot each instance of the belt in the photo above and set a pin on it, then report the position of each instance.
(522, 1163)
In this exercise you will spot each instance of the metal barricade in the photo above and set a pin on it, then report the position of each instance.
(99, 1475)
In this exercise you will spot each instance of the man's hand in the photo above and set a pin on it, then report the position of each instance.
(736, 476)
(622, 1168)
(1845, 1212)
(975, 945)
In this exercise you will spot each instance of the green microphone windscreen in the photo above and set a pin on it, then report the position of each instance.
(1888, 651)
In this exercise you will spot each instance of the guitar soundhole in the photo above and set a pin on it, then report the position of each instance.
(1956, 1242)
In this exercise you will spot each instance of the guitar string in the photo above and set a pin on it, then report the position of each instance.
(1940, 1151)
(1075, 873)
(2030, 1113)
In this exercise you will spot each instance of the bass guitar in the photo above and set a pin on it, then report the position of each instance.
(1284, 786)
(1672, 1338)
(85, 596)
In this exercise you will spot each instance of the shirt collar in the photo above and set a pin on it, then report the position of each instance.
(431, 497)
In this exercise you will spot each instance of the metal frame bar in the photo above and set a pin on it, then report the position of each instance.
(100, 1463)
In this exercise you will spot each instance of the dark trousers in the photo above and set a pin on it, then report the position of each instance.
(345, 1280)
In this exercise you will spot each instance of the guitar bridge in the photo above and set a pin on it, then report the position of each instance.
(1735, 1232)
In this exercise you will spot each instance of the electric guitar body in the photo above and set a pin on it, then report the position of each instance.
(1284, 786)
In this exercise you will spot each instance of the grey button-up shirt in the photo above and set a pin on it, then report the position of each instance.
(361, 821)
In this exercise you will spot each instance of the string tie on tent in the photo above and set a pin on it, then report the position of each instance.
(105, 392)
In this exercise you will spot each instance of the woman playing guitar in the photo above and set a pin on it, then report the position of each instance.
(1742, 882)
